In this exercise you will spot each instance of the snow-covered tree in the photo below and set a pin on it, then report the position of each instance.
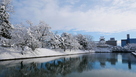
(82, 40)
(54, 42)
(85, 41)
(130, 47)
(41, 32)
(33, 43)
(69, 42)
(29, 36)
(5, 25)
(73, 43)
(22, 37)
(118, 49)
(90, 42)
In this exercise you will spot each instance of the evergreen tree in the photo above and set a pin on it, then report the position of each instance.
(5, 25)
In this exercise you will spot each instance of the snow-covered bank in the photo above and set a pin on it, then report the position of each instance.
(40, 52)
(134, 53)
(103, 50)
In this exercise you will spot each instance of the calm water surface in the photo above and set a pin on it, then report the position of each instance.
(89, 65)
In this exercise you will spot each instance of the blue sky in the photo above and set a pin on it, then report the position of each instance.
(109, 18)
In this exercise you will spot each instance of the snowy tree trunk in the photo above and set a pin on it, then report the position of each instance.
(64, 48)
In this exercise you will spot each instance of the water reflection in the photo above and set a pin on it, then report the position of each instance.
(76, 66)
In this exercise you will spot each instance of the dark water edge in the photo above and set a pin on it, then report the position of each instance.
(83, 65)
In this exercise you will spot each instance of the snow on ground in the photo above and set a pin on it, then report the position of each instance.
(134, 53)
(11, 53)
(102, 50)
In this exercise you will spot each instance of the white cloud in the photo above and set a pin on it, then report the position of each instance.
(72, 1)
(114, 18)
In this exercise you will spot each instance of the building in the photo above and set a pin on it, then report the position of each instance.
(112, 42)
(101, 46)
(105, 46)
(128, 40)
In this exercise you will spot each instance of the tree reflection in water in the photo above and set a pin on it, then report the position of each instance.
(64, 66)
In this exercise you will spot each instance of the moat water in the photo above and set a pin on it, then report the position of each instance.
(87, 65)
